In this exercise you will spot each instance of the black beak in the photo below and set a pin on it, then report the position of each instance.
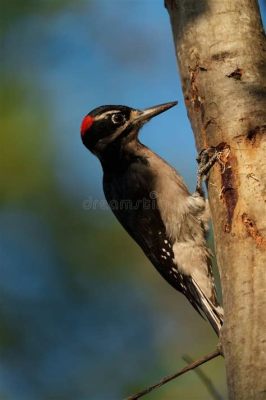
(144, 116)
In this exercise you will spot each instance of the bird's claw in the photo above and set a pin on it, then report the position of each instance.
(206, 159)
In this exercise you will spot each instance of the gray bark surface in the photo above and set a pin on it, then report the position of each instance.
(220, 49)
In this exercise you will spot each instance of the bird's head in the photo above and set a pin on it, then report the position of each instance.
(106, 125)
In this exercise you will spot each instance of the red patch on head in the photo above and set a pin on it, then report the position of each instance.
(86, 124)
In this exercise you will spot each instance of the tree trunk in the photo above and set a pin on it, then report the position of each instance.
(220, 48)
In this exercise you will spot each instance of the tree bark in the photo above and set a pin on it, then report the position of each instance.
(220, 49)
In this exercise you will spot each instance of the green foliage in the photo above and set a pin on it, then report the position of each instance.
(12, 11)
(25, 172)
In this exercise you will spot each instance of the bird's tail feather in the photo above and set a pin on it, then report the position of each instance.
(214, 313)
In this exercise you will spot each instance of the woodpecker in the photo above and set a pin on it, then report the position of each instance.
(153, 204)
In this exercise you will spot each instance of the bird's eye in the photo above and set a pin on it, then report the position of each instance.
(118, 118)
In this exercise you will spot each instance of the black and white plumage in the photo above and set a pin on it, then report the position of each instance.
(151, 201)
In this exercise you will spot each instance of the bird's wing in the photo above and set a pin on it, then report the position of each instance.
(147, 229)
(184, 263)
(198, 286)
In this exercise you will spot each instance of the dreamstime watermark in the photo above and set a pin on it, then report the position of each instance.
(146, 203)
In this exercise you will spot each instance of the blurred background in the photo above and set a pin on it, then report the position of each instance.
(83, 314)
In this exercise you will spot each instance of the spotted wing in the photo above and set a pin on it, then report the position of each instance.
(145, 226)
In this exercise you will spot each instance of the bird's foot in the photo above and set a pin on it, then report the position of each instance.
(206, 159)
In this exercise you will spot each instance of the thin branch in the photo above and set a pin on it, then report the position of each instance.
(205, 380)
(169, 378)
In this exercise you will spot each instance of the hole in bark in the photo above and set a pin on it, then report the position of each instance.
(252, 133)
(187, 100)
(221, 56)
(253, 231)
(236, 74)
